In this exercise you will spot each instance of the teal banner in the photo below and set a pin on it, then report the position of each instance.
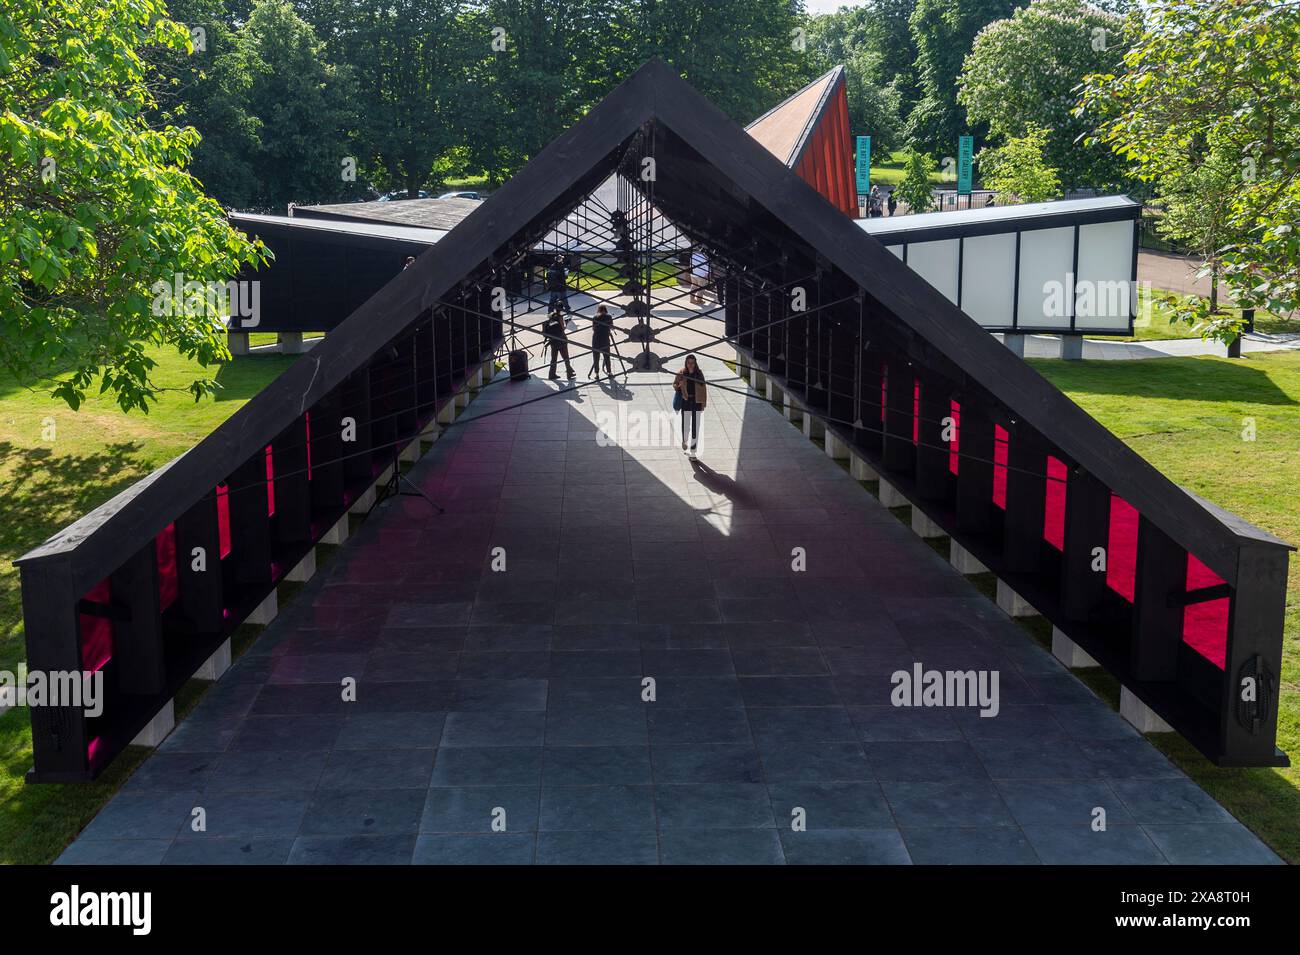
(965, 157)
(864, 165)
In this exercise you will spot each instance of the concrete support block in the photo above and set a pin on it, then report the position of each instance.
(216, 664)
(1012, 604)
(836, 449)
(1072, 347)
(364, 502)
(813, 426)
(447, 413)
(306, 568)
(1016, 343)
(770, 390)
(860, 470)
(290, 342)
(410, 453)
(1143, 718)
(925, 527)
(237, 342)
(264, 612)
(757, 380)
(462, 396)
(890, 495)
(963, 561)
(159, 727)
(1069, 652)
(790, 409)
(338, 533)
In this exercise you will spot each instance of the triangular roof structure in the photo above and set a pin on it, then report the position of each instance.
(809, 132)
(850, 311)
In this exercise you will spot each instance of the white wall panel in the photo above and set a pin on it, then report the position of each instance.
(936, 262)
(1046, 261)
(988, 280)
(1103, 285)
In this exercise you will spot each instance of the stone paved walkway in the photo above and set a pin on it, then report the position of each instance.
(515, 697)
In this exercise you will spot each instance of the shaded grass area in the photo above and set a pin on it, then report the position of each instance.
(1192, 418)
(55, 465)
(601, 277)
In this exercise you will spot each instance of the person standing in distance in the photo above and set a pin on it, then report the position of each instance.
(558, 341)
(602, 333)
(692, 397)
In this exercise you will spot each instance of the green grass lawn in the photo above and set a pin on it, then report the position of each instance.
(888, 170)
(45, 484)
(1186, 416)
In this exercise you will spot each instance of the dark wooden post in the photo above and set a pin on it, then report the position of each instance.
(933, 479)
(1087, 529)
(974, 469)
(1256, 617)
(52, 629)
(1022, 541)
(293, 493)
(250, 526)
(138, 654)
(900, 393)
(1157, 621)
(198, 565)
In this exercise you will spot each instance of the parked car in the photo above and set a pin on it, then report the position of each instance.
(461, 195)
(401, 194)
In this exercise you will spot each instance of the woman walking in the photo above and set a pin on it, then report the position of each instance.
(690, 399)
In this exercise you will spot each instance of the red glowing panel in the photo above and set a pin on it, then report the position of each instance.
(1121, 548)
(168, 584)
(96, 632)
(1000, 439)
(1054, 511)
(1205, 625)
(223, 518)
(956, 434)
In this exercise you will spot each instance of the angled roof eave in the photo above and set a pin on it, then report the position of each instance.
(936, 320)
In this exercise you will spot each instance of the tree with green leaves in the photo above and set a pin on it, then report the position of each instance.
(843, 38)
(97, 208)
(1017, 171)
(916, 190)
(943, 31)
(1026, 71)
(1216, 84)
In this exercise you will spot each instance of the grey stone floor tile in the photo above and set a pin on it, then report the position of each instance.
(174, 771)
(142, 814)
(597, 726)
(257, 850)
(246, 814)
(1057, 802)
(479, 808)
(288, 733)
(1128, 759)
(244, 771)
(390, 731)
(493, 848)
(377, 769)
(801, 724)
(598, 848)
(845, 847)
(494, 728)
(114, 852)
(952, 803)
(597, 808)
(720, 847)
(488, 766)
(686, 663)
(813, 761)
(668, 726)
(1211, 844)
(896, 724)
(830, 805)
(981, 846)
(924, 761)
(1034, 758)
(706, 763)
(789, 691)
(352, 850)
(347, 812)
(1168, 801)
(595, 765)
(713, 806)
(1082, 845)
(500, 695)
